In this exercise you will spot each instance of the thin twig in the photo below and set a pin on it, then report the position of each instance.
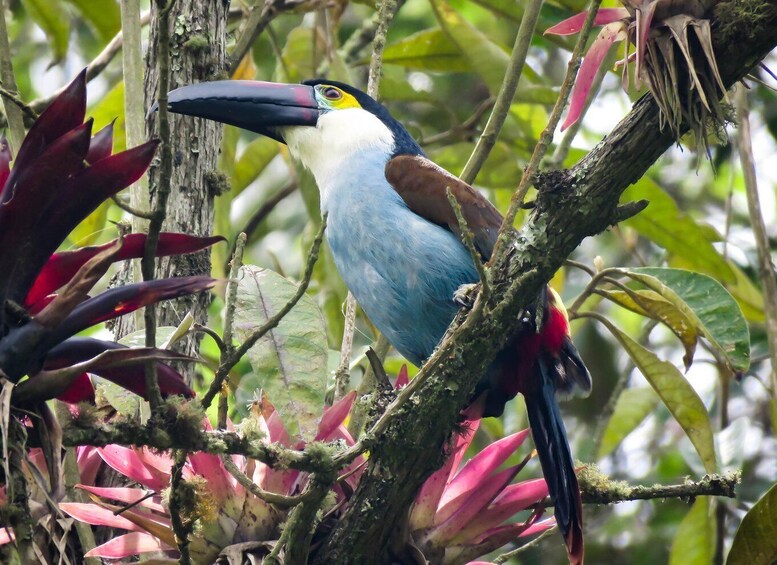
(765, 265)
(264, 210)
(467, 126)
(506, 93)
(259, 18)
(343, 371)
(499, 559)
(180, 528)
(230, 303)
(25, 108)
(232, 359)
(162, 190)
(273, 498)
(12, 111)
(298, 530)
(469, 243)
(596, 488)
(381, 347)
(130, 210)
(547, 135)
(95, 67)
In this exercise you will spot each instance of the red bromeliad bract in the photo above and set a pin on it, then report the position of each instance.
(61, 174)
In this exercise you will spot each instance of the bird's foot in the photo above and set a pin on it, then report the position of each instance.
(464, 296)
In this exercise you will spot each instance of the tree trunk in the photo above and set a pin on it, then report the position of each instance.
(197, 53)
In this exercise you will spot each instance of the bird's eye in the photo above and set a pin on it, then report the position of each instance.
(331, 93)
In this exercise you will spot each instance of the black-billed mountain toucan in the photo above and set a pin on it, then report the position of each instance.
(395, 241)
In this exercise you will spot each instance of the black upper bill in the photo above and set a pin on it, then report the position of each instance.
(253, 105)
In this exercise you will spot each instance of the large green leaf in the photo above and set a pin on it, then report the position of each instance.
(708, 305)
(51, 17)
(104, 15)
(678, 396)
(252, 161)
(632, 407)
(694, 541)
(755, 542)
(429, 50)
(650, 304)
(666, 225)
(486, 58)
(290, 361)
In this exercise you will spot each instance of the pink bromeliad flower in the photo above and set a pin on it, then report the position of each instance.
(227, 513)
(461, 513)
(673, 52)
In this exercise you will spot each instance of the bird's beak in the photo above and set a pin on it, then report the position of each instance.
(261, 107)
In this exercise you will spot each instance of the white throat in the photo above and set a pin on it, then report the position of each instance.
(331, 149)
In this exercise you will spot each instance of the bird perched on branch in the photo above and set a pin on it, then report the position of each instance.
(396, 241)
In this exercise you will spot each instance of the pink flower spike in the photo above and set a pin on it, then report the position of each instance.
(6, 536)
(402, 378)
(428, 499)
(97, 515)
(644, 19)
(212, 469)
(509, 502)
(482, 465)
(89, 462)
(334, 416)
(574, 24)
(127, 495)
(459, 513)
(127, 462)
(128, 545)
(593, 60)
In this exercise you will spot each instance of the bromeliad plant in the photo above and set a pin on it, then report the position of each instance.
(459, 514)
(60, 175)
(673, 55)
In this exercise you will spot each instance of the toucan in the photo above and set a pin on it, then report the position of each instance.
(397, 244)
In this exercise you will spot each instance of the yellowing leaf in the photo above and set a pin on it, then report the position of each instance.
(650, 304)
(677, 394)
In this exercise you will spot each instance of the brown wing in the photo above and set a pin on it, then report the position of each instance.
(422, 185)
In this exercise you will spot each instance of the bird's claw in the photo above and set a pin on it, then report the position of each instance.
(464, 296)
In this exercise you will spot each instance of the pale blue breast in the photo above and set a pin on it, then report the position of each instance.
(402, 269)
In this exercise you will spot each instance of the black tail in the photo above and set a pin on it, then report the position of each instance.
(550, 440)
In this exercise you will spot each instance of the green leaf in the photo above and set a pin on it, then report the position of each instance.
(708, 305)
(51, 17)
(301, 55)
(290, 361)
(252, 161)
(486, 58)
(694, 542)
(755, 542)
(104, 15)
(110, 108)
(678, 396)
(427, 50)
(666, 225)
(632, 407)
(650, 304)
(91, 227)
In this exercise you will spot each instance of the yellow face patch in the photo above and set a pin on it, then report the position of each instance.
(335, 98)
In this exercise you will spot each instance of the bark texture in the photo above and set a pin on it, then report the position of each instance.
(572, 205)
(197, 53)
